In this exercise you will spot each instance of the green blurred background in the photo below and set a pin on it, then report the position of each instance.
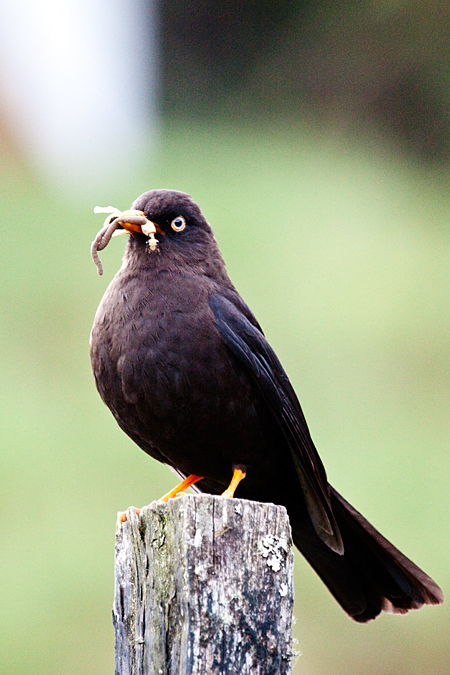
(334, 224)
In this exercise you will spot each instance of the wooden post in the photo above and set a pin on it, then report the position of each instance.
(204, 586)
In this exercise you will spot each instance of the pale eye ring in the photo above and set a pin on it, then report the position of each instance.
(178, 224)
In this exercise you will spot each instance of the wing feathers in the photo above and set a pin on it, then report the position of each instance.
(248, 344)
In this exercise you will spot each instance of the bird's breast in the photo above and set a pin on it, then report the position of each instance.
(170, 381)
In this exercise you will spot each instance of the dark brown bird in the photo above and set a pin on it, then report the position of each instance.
(184, 367)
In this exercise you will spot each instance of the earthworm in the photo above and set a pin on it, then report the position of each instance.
(102, 240)
(114, 221)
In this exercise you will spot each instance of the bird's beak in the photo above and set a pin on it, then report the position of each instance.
(135, 221)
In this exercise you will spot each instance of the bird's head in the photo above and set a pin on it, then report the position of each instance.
(171, 214)
(162, 221)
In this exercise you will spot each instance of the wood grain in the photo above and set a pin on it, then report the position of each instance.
(204, 586)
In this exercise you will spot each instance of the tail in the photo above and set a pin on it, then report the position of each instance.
(372, 575)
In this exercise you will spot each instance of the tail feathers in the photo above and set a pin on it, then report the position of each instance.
(372, 575)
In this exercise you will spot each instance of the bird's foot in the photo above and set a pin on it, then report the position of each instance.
(122, 516)
(190, 480)
(239, 474)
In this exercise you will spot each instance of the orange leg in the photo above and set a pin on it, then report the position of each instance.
(190, 480)
(238, 475)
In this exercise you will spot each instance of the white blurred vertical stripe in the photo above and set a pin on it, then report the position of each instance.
(78, 83)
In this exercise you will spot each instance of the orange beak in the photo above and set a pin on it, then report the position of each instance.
(135, 221)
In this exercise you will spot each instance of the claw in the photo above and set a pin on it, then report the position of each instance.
(122, 516)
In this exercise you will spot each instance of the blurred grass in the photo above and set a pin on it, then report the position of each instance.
(342, 251)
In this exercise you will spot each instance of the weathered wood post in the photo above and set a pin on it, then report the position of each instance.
(204, 586)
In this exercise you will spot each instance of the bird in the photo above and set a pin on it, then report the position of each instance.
(184, 366)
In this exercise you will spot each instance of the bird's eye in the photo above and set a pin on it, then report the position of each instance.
(178, 224)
